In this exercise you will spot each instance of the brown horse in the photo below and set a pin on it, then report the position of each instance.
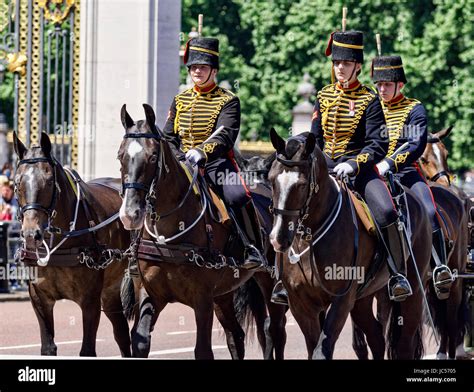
(449, 315)
(48, 203)
(304, 190)
(194, 268)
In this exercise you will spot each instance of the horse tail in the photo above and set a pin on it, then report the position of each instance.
(464, 316)
(394, 331)
(249, 306)
(127, 296)
(438, 310)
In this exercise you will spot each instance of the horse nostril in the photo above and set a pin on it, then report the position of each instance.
(38, 236)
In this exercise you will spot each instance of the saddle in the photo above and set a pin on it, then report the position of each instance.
(203, 189)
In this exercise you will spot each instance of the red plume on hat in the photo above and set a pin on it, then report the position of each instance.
(328, 51)
(186, 51)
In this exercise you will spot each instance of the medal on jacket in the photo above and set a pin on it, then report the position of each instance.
(352, 106)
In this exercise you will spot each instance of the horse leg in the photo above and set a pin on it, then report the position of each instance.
(275, 325)
(90, 325)
(235, 335)
(309, 322)
(359, 344)
(363, 317)
(407, 318)
(145, 319)
(332, 327)
(113, 310)
(203, 312)
(43, 308)
(452, 315)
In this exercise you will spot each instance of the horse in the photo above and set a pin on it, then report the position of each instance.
(75, 267)
(149, 166)
(255, 170)
(450, 315)
(303, 190)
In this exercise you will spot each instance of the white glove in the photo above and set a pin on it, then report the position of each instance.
(195, 156)
(343, 169)
(383, 167)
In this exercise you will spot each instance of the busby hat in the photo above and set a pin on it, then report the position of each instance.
(202, 51)
(346, 46)
(388, 69)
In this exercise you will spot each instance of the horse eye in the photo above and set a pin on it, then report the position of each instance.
(153, 158)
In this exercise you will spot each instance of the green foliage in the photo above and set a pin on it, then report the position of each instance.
(267, 46)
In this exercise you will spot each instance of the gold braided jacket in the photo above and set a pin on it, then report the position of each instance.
(347, 124)
(196, 115)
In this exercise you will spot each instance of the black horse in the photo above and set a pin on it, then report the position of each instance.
(303, 190)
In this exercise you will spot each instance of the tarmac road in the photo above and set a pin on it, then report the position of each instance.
(173, 337)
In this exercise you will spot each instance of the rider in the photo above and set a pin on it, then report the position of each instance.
(203, 122)
(407, 122)
(348, 122)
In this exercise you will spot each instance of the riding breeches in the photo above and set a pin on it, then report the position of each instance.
(227, 182)
(377, 196)
(411, 178)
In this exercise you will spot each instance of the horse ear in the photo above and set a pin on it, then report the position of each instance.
(269, 160)
(45, 144)
(127, 121)
(150, 116)
(310, 143)
(241, 161)
(277, 142)
(19, 147)
(443, 133)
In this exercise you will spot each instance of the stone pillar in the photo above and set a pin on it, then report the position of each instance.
(303, 112)
(129, 54)
(4, 150)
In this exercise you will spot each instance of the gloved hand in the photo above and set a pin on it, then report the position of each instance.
(196, 157)
(343, 169)
(383, 167)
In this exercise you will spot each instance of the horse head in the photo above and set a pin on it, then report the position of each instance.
(295, 176)
(254, 169)
(139, 155)
(36, 188)
(434, 161)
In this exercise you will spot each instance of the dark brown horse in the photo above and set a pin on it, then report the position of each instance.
(154, 178)
(449, 315)
(321, 298)
(48, 203)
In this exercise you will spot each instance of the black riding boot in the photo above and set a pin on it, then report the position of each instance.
(442, 276)
(249, 230)
(398, 286)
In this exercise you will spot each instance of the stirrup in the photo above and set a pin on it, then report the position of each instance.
(400, 296)
(447, 278)
(279, 294)
(443, 286)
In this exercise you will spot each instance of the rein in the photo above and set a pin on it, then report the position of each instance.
(151, 192)
(51, 214)
(303, 213)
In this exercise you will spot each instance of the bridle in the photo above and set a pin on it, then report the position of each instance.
(140, 185)
(303, 212)
(314, 237)
(50, 211)
(151, 189)
(442, 173)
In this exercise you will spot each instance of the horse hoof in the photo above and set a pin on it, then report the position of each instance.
(441, 356)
